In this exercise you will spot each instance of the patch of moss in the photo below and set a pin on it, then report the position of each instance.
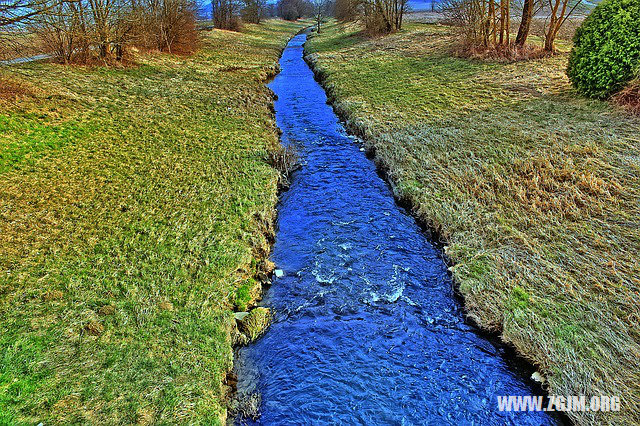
(519, 298)
(256, 322)
(243, 297)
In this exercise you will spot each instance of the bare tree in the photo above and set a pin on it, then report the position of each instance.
(15, 18)
(167, 25)
(320, 11)
(226, 14)
(484, 23)
(253, 11)
(15, 12)
(560, 11)
(294, 9)
(487, 23)
(75, 30)
(64, 31)
(82, 30)
(505, 22)
(111, 22)
(525, 22)
(378, 16)
(347, 10)
(477, 20)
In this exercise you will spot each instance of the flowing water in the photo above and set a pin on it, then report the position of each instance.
(367, 328)
(25, 59)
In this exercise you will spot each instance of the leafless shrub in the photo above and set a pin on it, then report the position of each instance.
(63, 30)
(166, 25)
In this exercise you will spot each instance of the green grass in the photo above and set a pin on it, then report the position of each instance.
(134, 203)
(535, 189)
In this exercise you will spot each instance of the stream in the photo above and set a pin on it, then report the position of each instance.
(367, 328)
(24, 60)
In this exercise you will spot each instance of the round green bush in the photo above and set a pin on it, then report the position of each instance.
(606, 52)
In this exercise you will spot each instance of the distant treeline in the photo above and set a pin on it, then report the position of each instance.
(229, 14)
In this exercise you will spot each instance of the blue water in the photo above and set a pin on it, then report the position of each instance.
(25, 59)
(367, 327)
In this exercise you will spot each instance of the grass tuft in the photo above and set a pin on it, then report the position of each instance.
(284, 159)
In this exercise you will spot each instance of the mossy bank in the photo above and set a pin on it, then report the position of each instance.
(535, 190)
(136, 205)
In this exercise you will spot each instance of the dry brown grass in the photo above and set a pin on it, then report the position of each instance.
(11, 89)
(500, 53)
(284, 159)
(629, 97)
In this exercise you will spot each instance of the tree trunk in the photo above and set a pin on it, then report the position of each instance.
(492, 17)
(550, 40)
(502, 21)
(525, 24)
(550, 35)
(508, 24)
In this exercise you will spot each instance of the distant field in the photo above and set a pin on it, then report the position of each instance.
(19, 44)
(535, 189)
(134, 203)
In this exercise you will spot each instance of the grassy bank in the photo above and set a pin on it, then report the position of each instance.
(536, 191)
(134, 203)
